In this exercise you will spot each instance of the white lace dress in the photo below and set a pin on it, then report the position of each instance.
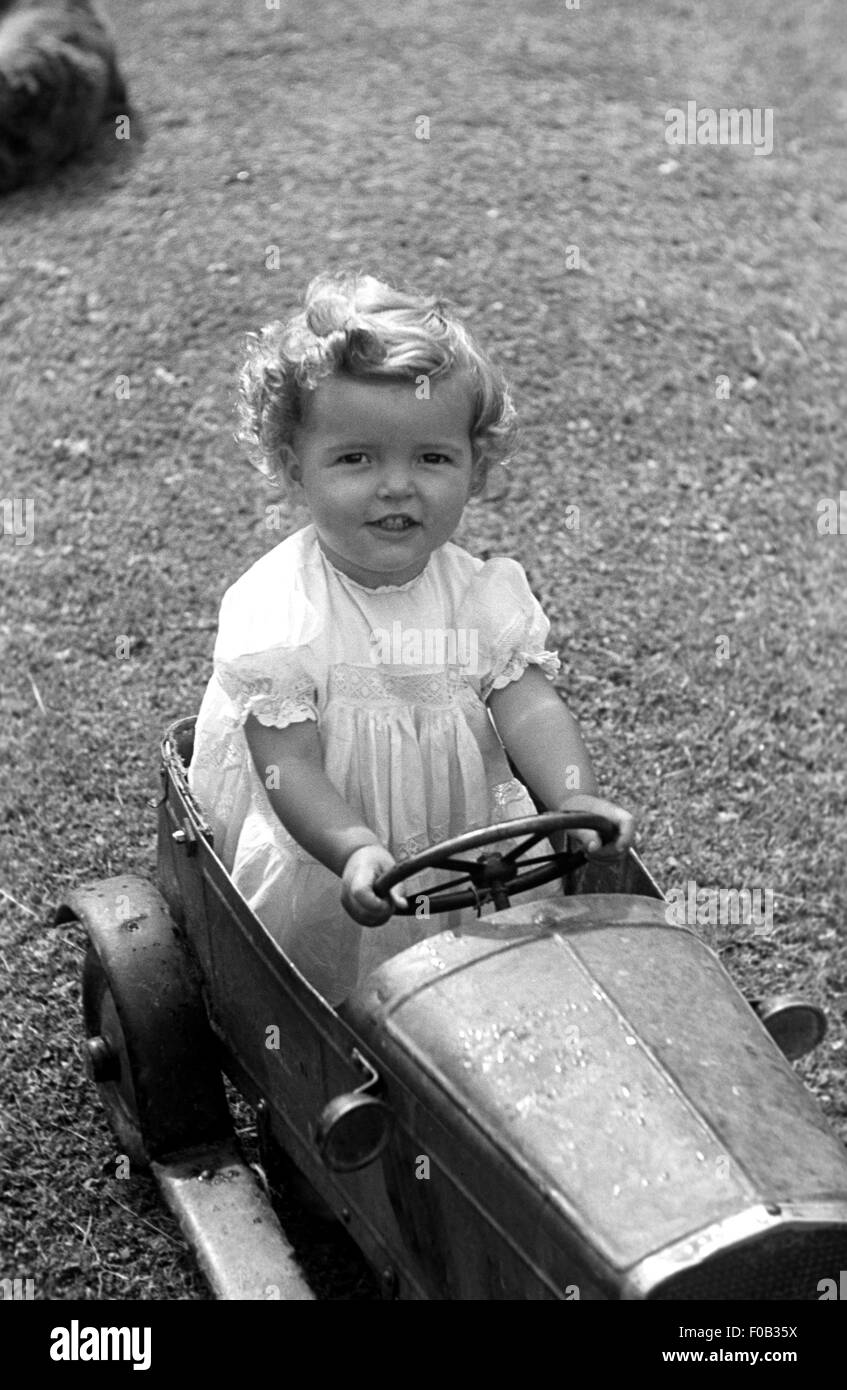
(396, 679)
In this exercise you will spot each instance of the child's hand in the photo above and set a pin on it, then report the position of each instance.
(589, 840)
(357, 894)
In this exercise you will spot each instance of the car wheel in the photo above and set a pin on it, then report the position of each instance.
(108, 1061)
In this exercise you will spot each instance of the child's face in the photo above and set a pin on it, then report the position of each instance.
(386, 476)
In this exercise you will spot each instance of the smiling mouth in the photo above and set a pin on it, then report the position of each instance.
(398, 522)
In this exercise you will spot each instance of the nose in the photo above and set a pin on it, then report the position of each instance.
(395, 479)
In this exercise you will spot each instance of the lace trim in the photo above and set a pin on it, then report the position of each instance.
(366, 684)
(377, 588)
(416, 844)
(516, 665)
(219, 755)
(260, 696)
(506, 793)
(284, 712)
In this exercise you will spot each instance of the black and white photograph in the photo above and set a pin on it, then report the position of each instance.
(423, 478)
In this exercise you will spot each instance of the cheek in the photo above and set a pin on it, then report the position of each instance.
(466, 485)
(339, 500)
(453, 503)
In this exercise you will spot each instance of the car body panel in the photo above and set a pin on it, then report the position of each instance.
(645, 1108)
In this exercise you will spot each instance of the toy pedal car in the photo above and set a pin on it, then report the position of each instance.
(570, 1099)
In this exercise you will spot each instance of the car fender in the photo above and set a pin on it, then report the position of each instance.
(170, 1047)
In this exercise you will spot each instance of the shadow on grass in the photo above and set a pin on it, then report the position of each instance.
(87, 176)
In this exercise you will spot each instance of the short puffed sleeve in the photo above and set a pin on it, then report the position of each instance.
(264, 661)
(273, 686)
(512, 626)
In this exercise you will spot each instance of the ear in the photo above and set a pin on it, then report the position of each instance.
(291, 468)
(479, 477)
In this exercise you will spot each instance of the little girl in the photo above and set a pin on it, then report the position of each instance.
(371, 676)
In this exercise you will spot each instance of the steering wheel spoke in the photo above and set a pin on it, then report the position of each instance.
(465, 866)
(541, 859)
(511, 855)
(443, 887)
(492, 877)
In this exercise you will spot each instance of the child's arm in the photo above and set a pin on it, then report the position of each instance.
(318, 817)
(543, 739)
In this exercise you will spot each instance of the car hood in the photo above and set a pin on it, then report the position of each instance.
(607, 1055)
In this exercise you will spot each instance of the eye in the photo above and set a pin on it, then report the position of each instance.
(353, 458)
(436, 458)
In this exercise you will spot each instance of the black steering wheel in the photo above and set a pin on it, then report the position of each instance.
(492, 878)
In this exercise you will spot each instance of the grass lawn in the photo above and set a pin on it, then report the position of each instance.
(683, 386)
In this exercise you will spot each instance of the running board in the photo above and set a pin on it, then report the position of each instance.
(230, 1225)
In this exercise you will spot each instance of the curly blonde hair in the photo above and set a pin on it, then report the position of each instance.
(358, 326)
